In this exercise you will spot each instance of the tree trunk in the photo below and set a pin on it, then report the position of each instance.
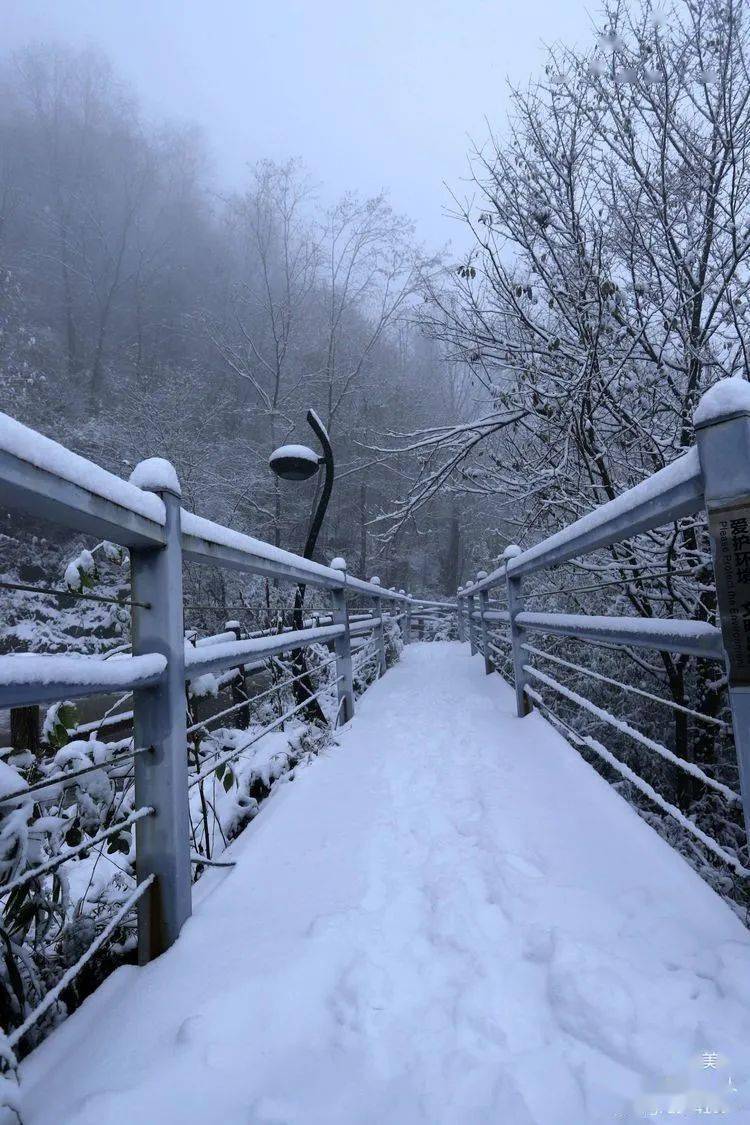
(363, 528)
(24, 729)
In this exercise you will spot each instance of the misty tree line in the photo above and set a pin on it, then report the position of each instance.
(142, 312)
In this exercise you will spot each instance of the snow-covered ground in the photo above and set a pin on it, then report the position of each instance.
(448, 918)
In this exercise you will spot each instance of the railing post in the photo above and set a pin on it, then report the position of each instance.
(407, 627)
(379, 630)
(722, 427)
(472, 633)
(460, 616)
(159, 722)
(515, 606)
(484, 605)
(380, 633)
(343, 649)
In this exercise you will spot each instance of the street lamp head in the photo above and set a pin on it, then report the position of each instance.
(294, 462)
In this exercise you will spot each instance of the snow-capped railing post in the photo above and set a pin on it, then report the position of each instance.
(470, 607)
(722, 426)
(460, 617)
(515, 606)
(377, 606)
(343, 649)
(407, 627)
(159, 721)
(484, 605)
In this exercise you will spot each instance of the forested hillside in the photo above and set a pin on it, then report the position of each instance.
(144, 310)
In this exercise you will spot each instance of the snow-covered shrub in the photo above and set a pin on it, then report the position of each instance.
(443, 628)
(59, 719)
(394, 643)
(48, 921)
(81, 572)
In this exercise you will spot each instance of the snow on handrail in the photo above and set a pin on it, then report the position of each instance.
(28, 678)
(362, 628)
(671, 493)
(44, 453)
(42, 477)
(215, 639)
(208, 542)
(494, 578)
(501, 615)
(695, 638)
(432, 604)
(214, 658)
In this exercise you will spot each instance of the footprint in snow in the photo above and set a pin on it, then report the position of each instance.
(189, 1031)
(592, 999)
(522, 866)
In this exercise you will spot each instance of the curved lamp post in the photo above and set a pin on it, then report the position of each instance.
(294, 463)
(299, 462)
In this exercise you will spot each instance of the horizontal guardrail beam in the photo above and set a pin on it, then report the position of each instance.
(364, 628)
(694, 638)
(47, 481)
(435, 605)
(373, 591)
(215, 639)
(44, 495)
(670, 494)
(29, 678)
(204, 541)
(215, 658)
(43, 478)
(495, 578)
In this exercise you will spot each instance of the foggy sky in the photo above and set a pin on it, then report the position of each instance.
(371, 94)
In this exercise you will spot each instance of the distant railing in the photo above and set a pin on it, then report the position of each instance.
(713, 476)
(43, 479)
(431, 620)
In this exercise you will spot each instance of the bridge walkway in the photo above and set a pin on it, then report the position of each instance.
(448, 917)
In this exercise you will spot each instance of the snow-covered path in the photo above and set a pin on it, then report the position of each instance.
(449, 918)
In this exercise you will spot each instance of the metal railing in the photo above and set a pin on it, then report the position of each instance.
(46, 481)
(41, 478)
(711, 478)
